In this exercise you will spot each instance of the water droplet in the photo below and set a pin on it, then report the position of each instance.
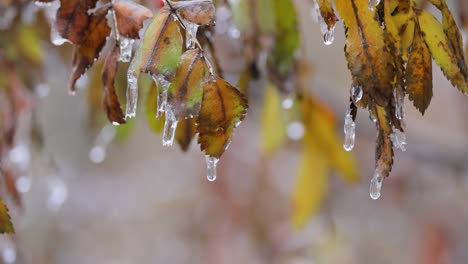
(23, 184)
(132, 91)
(349, 131)
(356, 93)
(170, 126)
(399, 139)
(399, 103)
(126, 46)
(191, 35)
(295, 130)
(58, 193)
(211, 164)
(288, 102)
(376, 185)
(20, 156)
(329, 36)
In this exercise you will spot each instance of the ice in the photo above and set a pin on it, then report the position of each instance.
(191, 35)
(170, 127)
(126, 46)
(349, 131)
(211, 164)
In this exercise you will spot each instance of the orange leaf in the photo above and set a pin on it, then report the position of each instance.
(130, 17)
(185, 132)
(73, 19)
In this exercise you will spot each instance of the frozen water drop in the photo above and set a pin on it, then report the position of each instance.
(211, 164)
(126, 46)
(329, 36)
(191, 35)
(170, 126)
(356, 93)
(23, 184)
(399, 139)
(97, 154)
(399, 95)
(295, 130)
(132, 92)
(349, 131)
(58, 193)
(376, 185)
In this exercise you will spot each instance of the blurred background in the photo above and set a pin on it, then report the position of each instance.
(134, 201)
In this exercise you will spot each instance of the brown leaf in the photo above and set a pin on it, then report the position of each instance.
(130, 17)
(419, 73)
(198, 12)
(91, 44)
(185, 132)
(72, 19)
(186, 91)
(327, 13)
(223, 108)
(384, 150)
(111, 100)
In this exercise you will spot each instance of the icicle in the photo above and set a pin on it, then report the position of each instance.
(349, 131)
(211, 164)
(7, 250)
(295, 130)
(399, 103)
(376, 184)
(399, 139)
(7, 16)
(163, 86)
(170, 126)
(356, 93)
(191, 35)
(132, 91)
(97, 154)
(126, 46)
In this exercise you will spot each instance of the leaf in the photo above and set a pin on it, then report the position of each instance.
(200, 12)
(273, 127)
(310, 185)
(441, 49)
(72, 20)
(28, 42)
(186, 90)
(321, 127)
(403, 18)
(91, 44)
(384, 151)
(156, 124)
(185, 132)
(6, 226)
(130, 17)
(161, 47)
(369, 58)
(327, 12)
(111, 100)
(223, 108)
(419, 73)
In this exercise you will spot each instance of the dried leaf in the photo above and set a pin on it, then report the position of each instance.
(185, 132)
(111, 100)
(186, 90)
(91, 44)
(72, 21)
(6, 226)
(200, 12)
(273, 126)
(369, 58)
(419, 73)
(161, 47)
(441, 49)
(223, 108)
(130, 17)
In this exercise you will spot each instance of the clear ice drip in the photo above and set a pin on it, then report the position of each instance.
(163, 86)
(191, 35)
(399, 139)
(349, 131)
(170, 126)
(211, 164)
(356, 93)
(399, 103)
(132, 91)
(376, 185)
(328, 33)
(126, 46)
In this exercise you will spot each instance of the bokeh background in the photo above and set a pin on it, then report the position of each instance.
(145, 203)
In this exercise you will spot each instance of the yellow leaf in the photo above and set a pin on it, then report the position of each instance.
(311, 184)
(273, 127)
(441, 50)
(5, 221)
(384, 151)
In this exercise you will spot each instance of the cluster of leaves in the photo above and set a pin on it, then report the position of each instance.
(389, 49)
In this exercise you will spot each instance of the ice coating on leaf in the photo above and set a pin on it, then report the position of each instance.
(170, 126)
(211, 164)
(356, 93)
(126, 46)
(163, 86)
(201, 12)
(349, 131)
(399, 139)
(132, 91)
(191, 35)
(399, 95)
(375, 188)
(55, 37)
